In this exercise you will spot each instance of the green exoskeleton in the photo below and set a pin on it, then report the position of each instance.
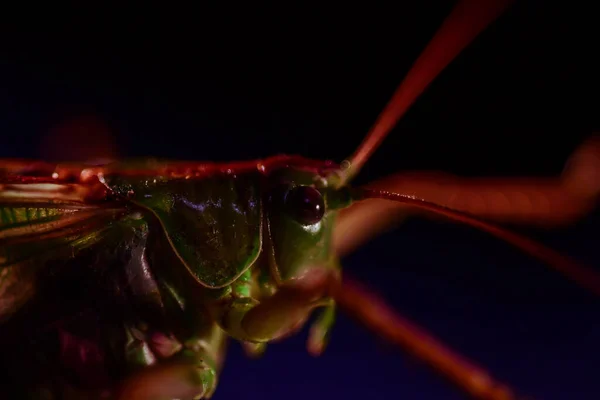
(256, 245)
(173, 258)
(242, 252)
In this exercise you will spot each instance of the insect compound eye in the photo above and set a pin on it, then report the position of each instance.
(305, 204)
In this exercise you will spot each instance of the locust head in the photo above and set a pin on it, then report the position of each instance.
(302, 206)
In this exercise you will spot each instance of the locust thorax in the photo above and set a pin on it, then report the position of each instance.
(301, 212)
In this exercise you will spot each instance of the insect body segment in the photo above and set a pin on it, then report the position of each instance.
(178, 256)
(214, 224)
(246, 255)
(272, 238)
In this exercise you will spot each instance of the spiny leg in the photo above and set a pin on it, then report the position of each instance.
(362, 221)
(547, 202)
(373, 313)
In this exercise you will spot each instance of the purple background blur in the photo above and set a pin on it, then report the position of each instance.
(226, 85)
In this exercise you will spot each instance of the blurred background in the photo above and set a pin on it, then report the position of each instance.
(241, 83)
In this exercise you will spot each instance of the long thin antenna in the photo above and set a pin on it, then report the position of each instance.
(582, 275)
(467, 20)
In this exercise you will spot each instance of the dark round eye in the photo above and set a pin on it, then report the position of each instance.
(305, 204)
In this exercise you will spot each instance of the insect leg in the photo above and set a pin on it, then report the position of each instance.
(548, 202)
(278, 315)
(254, 350)
(192, 373)
(373, 313)
(320, 330)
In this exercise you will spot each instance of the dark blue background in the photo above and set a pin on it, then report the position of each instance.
(240, 84)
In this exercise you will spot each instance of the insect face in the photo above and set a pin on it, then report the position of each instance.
(302, 207)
